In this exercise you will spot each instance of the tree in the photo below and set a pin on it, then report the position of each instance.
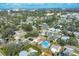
(34, 33)
(11, 49)
(7, 33)
(27, 27)
(61, 42)
(28, 35)
(15, 21)
(72, 41)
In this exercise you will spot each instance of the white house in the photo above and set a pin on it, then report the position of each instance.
(19, 35)
(44, 26)
(23, 53)
(1, 41)
(57, 36)
(76, 34)
(65, 37)
(55, 48)
(54, 30)
(32, 52)
(68, 52)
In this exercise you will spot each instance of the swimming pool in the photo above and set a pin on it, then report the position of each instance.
(45, 44)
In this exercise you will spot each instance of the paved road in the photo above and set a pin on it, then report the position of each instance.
(76, 54)
(73, 47)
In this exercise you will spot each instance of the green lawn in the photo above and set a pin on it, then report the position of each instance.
(76, 51)
(77, 46)
(14, 52)
(31, 46)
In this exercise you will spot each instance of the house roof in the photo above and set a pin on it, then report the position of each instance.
(65, 37)
(55, 48)
(23, 53)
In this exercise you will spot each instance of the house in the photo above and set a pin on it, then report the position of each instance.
(48, 33)
(15, 10)
(55, 48)
(44, 26)
(2, 41)
(9, 11)
(54, 33)
(25, 41)
(29, 52)
(49, 14)
(32, 52)
(54, 30)
(65, 38)
(19, 34)
(39, 39)
(23, 53)
(43, 32)
(76, 34)
(56, 36)
(57, 31)
(68, 52)
(63, 16)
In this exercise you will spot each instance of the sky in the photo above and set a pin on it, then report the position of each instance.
(38, 5)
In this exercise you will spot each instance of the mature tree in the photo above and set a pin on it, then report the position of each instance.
(28, 35)
(7, 33)
(72, 41)
(27, 27)
(11, 49)
(61, 42)
(34, 33)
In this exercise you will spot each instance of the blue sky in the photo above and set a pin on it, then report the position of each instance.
(38, 5)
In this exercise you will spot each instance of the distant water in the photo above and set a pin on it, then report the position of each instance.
(38, 5)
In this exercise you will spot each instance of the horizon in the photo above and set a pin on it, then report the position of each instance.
(38, 5)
